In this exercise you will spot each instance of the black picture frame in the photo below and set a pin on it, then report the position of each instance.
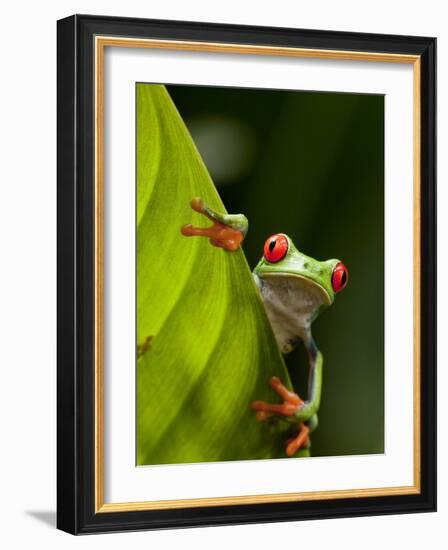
(76, 512)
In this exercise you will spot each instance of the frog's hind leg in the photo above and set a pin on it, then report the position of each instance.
(228, 230)
(302, 439)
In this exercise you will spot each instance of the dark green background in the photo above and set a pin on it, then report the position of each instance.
(311, 165)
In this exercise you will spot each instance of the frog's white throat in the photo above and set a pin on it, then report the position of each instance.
(291, 304)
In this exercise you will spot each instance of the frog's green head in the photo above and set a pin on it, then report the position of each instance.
(282, 259)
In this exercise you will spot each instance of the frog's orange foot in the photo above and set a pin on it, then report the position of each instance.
(291, 402)
(300, 440)
(220, 234)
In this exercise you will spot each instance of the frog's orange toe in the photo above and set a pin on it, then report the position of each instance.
(283, 391)
(282, 409)
(300, 440)
(197, 204)
(187, 230)
(291, 402)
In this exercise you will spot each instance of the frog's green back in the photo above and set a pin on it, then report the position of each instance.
(212, 349)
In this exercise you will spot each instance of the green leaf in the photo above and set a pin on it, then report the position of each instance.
(210, 349)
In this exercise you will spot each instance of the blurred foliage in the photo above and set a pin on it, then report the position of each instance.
(314, 169)
(207, 346)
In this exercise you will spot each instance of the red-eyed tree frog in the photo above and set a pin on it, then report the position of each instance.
(295, 289)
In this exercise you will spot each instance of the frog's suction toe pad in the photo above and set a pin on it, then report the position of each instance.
(197, 204)
(188, 230)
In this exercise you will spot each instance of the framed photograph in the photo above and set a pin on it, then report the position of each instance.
(246, 274)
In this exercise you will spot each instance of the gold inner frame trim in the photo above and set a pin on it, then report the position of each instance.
(101, 42)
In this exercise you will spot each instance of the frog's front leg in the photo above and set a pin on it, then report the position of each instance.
(227, 231)
(289, 407)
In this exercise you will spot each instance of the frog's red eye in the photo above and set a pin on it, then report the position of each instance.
(275, 248)
(339, 278)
